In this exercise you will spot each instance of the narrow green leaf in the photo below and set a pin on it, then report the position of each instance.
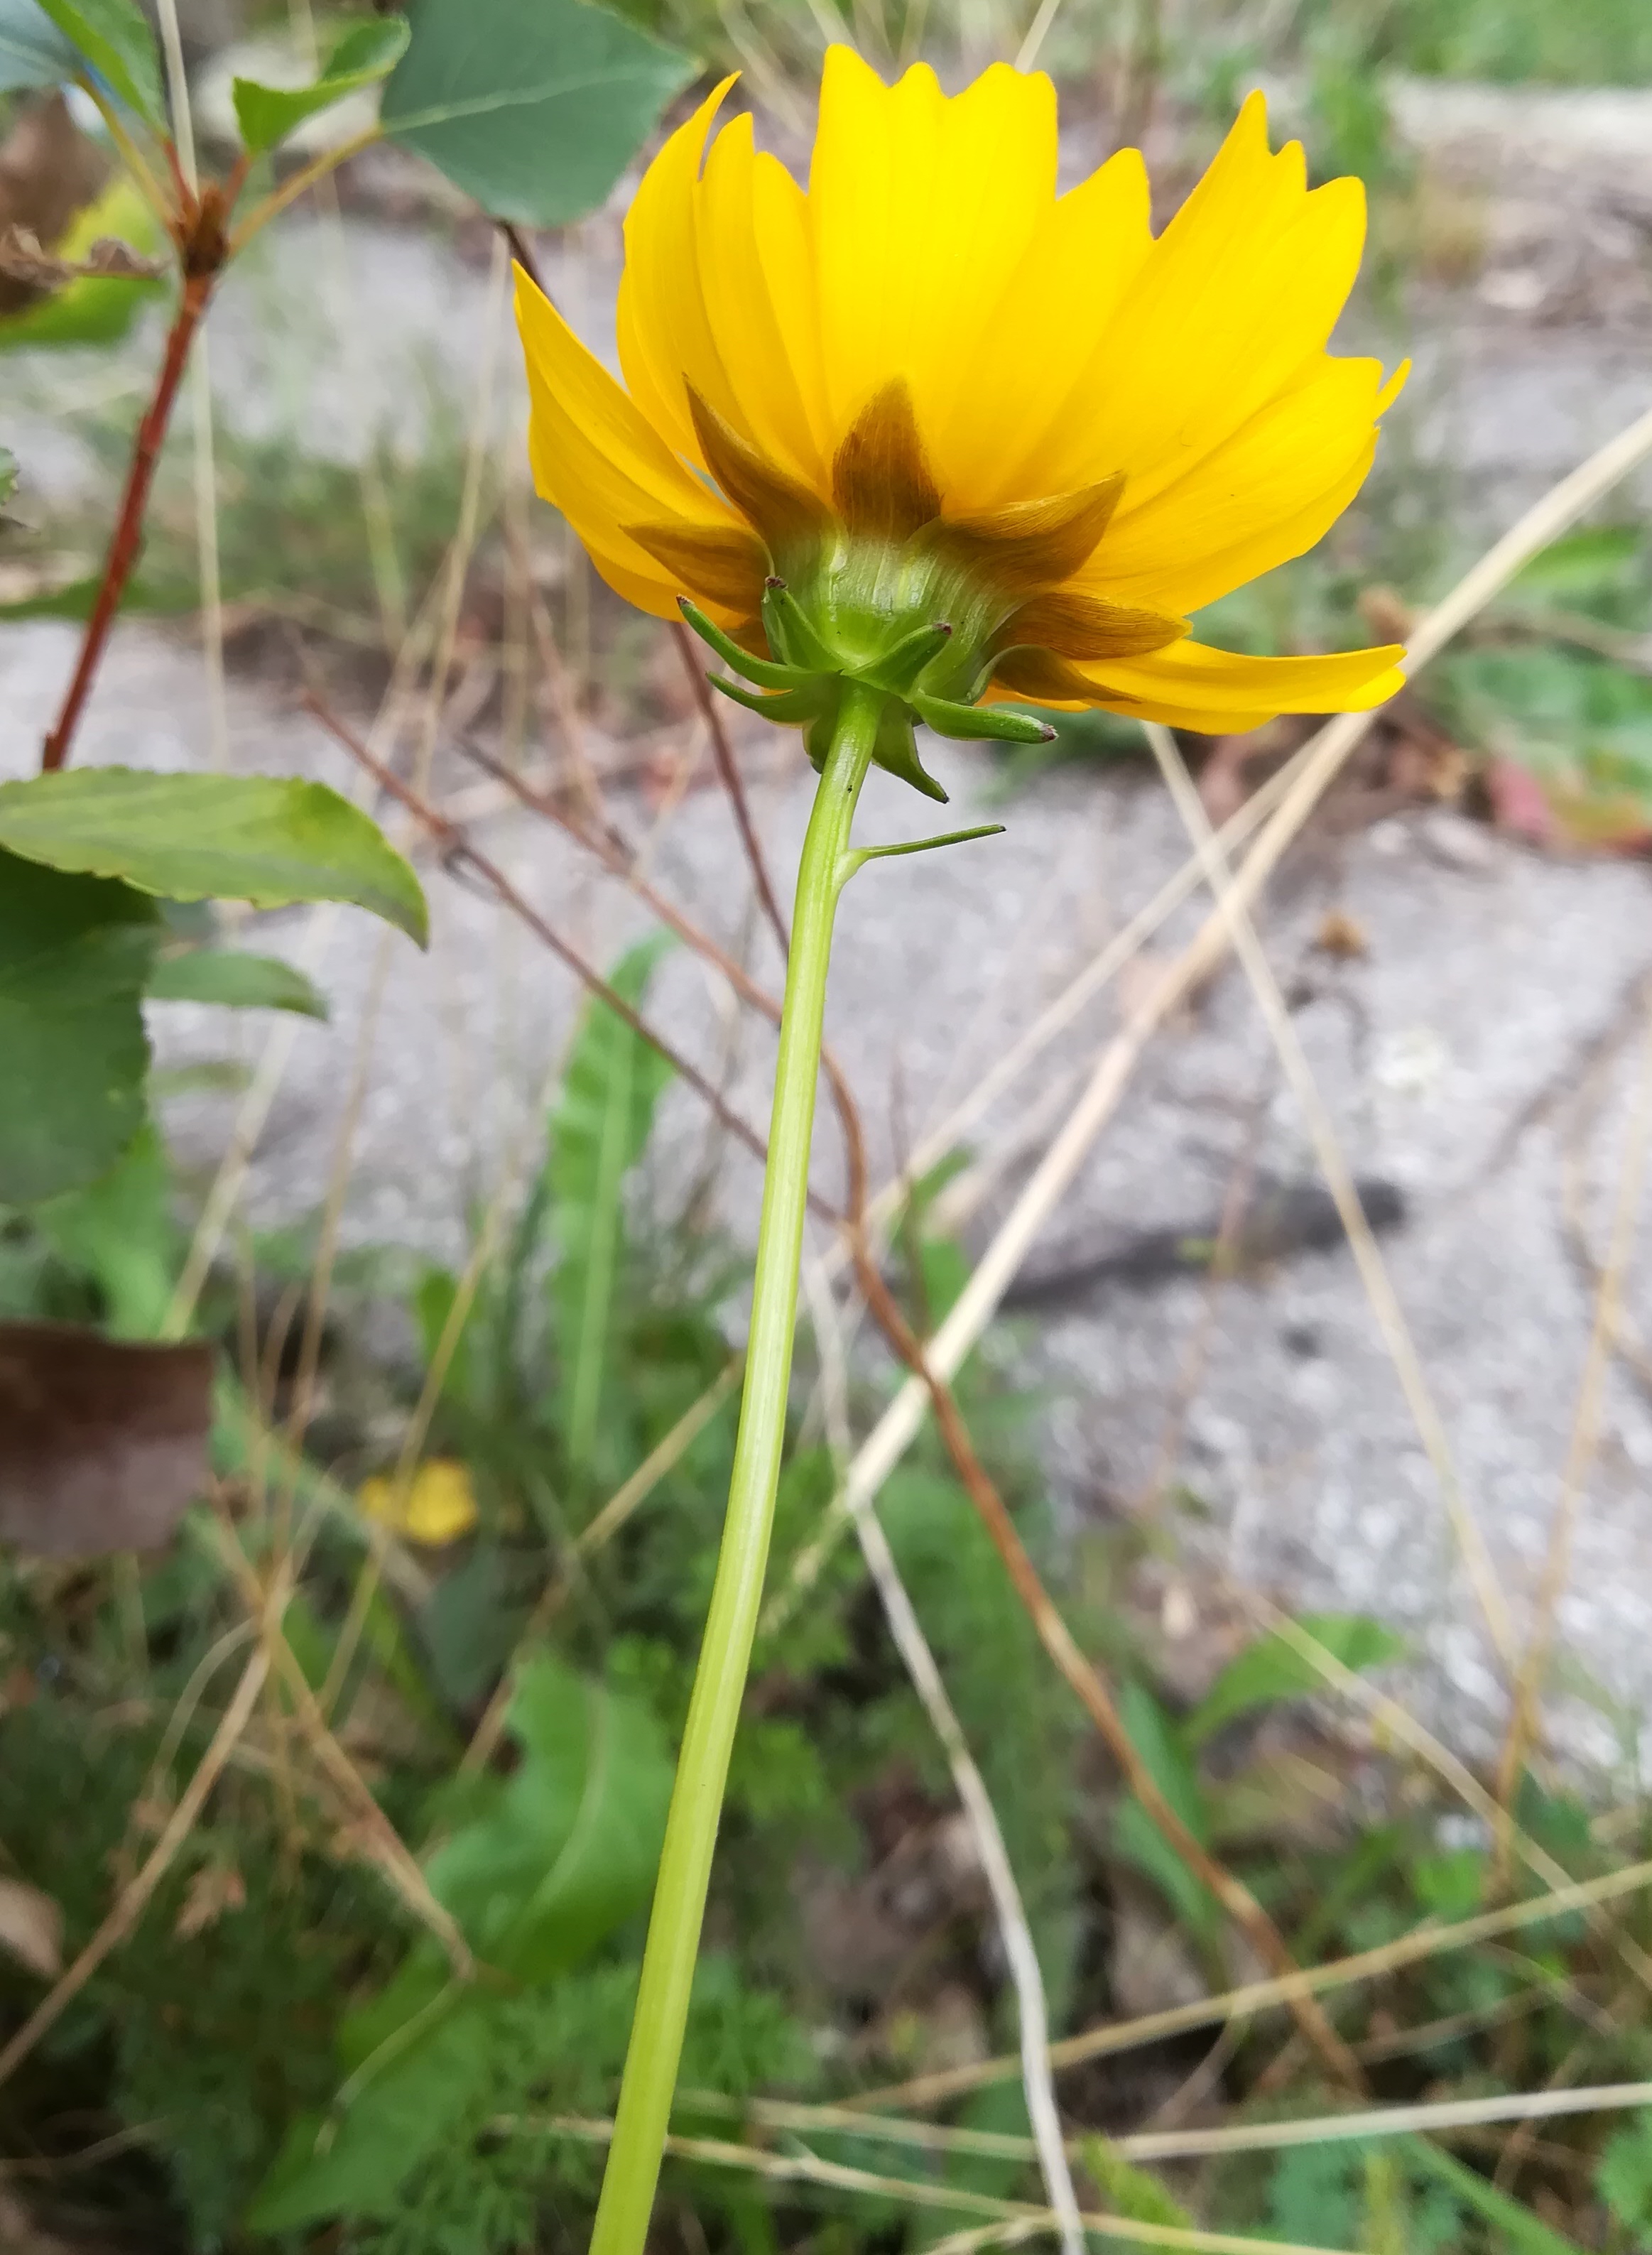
(115, 38)
(569, 1849)
(352, 2164)
(267, 839)
(1126, 2191)
(1154, 1736)
(1272, 1669)
(533, 106)
(367, 53)
(75, 954)
(603, 1116)
(243, 982)
(33, 50)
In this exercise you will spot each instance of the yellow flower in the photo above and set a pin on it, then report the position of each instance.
(929, 422)
(437, 1506)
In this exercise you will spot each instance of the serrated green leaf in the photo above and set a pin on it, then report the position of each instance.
(33, 50)
(75, 954)
(115, 38)
(366, 53)
(604, 1112)
(242, 982)
(267, 839)
(534, 109)
(1272, 1669)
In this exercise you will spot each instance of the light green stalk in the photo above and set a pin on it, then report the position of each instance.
(691, 1832)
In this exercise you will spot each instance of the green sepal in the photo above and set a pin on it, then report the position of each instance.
(899, 668)
(897, 752)
(762, 670)
(968, 723)
(817, 741)
(788, 704)
(864, 853)
(790, 635)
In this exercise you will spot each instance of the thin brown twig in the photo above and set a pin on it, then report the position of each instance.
(522, 253)
(728, 771)
(129, 523)
(455, 844)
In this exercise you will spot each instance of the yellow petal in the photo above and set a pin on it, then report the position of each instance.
(921, 211)
(773, 378)
(1242, 288)
(596, 458)
(1191, 685)
(1266, 494)
(664, 336)
(437, 1506)
(1042, 336)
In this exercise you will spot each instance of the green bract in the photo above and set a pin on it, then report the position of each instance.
(906, 625)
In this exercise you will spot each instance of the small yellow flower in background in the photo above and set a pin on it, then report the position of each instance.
(934, 427)
(437, 1506)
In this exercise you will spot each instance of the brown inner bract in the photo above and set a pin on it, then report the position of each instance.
(883, 490)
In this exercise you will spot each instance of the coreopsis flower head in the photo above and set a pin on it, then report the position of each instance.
(930, 425)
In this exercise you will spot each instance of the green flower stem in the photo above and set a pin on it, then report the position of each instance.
(691, 1832)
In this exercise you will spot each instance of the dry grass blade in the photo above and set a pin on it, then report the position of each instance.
(1427, 1940)
(1585, 1437)
(918, 1660)
(133, 1899)
(810, 2168)
(1427, 2117)
(1373, 1274)
(1389, 1715)
(1323, 758)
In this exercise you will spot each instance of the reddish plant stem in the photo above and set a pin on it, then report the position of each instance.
(128, 525)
